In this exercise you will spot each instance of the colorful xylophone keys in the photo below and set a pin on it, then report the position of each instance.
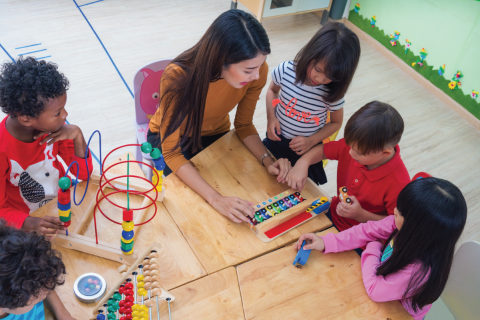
(276, 205)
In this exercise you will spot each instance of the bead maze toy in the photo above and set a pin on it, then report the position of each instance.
(287, 210)
(151, 190)
(137, 295)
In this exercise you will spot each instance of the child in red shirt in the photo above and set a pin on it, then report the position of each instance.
(33, 95)
(369, 165)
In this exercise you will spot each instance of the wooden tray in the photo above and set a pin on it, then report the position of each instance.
(285, 221)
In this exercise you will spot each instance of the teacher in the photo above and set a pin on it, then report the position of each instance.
(198, 89)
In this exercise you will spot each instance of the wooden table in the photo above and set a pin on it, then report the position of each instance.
(230, 168)
(329, 286)
(179, 263)
(214, 297)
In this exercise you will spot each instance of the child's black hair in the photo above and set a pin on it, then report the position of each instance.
(339, 48)
(28, 264)
(25, 86)
(374, 127)
(435, 213)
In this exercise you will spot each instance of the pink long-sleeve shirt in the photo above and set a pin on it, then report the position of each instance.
(379, 288)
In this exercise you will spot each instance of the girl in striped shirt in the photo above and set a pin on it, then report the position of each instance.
(305, 90)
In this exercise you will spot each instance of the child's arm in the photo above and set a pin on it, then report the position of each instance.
(54, 304)
(47, 225)
(302, 144)
(355, 237)
(13, 216)
(272, 122)
(384, 288)
(71, 151)
(297, 177)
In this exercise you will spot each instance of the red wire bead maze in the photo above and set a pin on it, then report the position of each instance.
(127, 239)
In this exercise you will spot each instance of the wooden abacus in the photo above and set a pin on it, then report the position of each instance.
(138, 293)
(288, 210)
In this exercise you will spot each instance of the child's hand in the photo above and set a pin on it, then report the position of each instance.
(46, 225)
(352, 211)
(66, 132)
(301, 144)
(280, 168)
(273, 128)
(297, 177)
(313, 242)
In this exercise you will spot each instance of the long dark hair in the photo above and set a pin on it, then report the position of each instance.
(233, 37)
(339, 48)
(435, 213)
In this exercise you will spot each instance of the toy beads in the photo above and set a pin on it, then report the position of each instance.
(63, 201)
(134, 297)
(126, 240)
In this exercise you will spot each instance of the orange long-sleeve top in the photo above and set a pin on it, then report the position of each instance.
(221, 99)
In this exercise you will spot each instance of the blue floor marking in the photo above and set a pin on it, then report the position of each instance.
(91, 152)
(22, 54)
(118, 71)
(7, 53)
(42, 58)
(86, 4)
(28, 46)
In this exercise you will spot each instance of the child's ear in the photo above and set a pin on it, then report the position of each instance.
(25, 120)
(388, 151)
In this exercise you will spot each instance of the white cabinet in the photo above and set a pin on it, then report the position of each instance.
(274, 8)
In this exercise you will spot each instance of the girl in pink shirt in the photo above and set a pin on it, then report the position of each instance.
(408, 256)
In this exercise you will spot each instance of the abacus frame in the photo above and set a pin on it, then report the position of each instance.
(76, 240)
(128, 274)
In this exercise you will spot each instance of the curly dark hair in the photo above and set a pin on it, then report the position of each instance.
(26, 85)
(28, 264)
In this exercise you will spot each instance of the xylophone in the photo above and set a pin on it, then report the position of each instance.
(152, 191)
(138, 294)
(287, 210)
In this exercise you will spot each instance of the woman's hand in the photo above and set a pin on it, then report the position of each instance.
(280, 168)
(234, 208)
(297, 177)
(313, 242)
(300, 145)
(273, 128)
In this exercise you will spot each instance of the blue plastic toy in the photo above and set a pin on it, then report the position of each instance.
(302, 256)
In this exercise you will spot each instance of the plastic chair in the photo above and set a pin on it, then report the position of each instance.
(146, 88)
(462, 294)
(331, 138)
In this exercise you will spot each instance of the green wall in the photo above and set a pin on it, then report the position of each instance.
(449, 30)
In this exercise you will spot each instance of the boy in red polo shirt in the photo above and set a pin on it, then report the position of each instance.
(369, 165)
